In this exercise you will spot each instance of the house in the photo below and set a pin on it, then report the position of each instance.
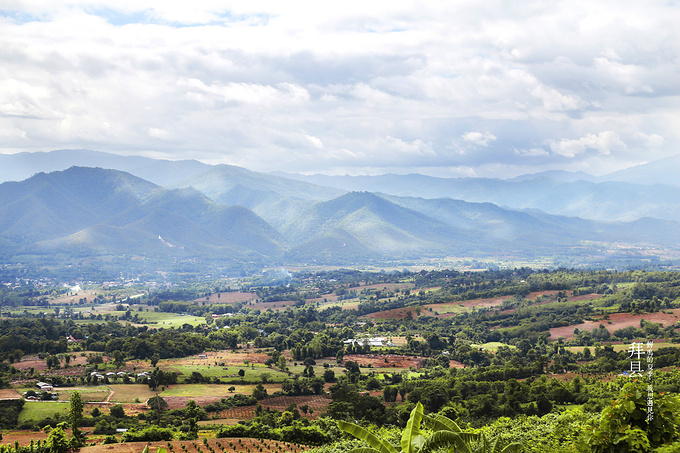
(373, 342)
(44, 386)
(202, 356)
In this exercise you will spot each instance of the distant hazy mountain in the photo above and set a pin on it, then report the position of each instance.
(556, 175)
(649, 190)
(219, 181)
(17, 167)
(664, 171)
(534, 229)
(92, 211)
(369, 225)
(599, 201)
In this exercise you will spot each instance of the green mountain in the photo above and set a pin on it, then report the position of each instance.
(553, 193)
(368, 225)
(533, 229)
(20, 166)
(92, 211)
(219, 181)
(649, 190)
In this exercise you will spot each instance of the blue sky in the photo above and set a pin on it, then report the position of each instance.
(462, 88)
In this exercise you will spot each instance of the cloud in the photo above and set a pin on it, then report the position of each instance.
(327, 87)
(533, 152)
(554, 101)
(604, 143)
(648, 140)
(160, 134)
(479, 138)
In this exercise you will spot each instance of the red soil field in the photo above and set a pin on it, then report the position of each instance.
(617, 321)
(397, 313)
(401, 361)
(28, 362)
(197, 446)
(317, 403)
(429, 309)
(9, 394)
(227, 357)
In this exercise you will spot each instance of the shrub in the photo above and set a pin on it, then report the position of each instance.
(151, 434)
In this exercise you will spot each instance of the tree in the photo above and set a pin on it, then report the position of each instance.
(281, 363)
(241, 373)
(623, 426)
(118, 359)
(447, 435)
(118, 411)
(259, 392)
(57, 442)
(75, 416)
(157, 403)
(329, 375)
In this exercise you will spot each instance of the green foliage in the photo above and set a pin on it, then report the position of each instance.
(447, 436)
(157, 403)
(57, 441)
(237, 400)
(109, 440)
(9, 412)
(118, 411)
(624, 426)
(377, 444)
(151, 434)
(309, 435)
(553, 432)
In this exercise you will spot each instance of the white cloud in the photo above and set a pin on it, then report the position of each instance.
(479, 138)
(160, 134)
(532, 152)
(554, 101)
(648, 140)
(604, 143)
(332, 86)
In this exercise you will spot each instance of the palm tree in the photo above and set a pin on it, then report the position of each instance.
(447, 436)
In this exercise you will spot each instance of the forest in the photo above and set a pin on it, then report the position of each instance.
(517, 359)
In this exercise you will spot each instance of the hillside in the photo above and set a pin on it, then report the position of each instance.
(558, 195)
(91, 211)
(370, 225)
(648, 190)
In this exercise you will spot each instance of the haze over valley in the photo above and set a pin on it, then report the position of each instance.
(184, 210)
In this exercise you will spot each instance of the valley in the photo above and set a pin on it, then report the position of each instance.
(254, 359)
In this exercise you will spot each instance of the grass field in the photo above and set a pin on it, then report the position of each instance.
(168, 320)
(492, 346)
(86, 394)
(38, 410)
(127, 393)
(202, 390)
(228, 373)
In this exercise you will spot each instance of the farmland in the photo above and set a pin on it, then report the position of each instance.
(355, 346)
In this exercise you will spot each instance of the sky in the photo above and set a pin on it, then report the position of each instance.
(446, 88)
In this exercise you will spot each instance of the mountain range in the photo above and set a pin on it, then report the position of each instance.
(132, 206)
